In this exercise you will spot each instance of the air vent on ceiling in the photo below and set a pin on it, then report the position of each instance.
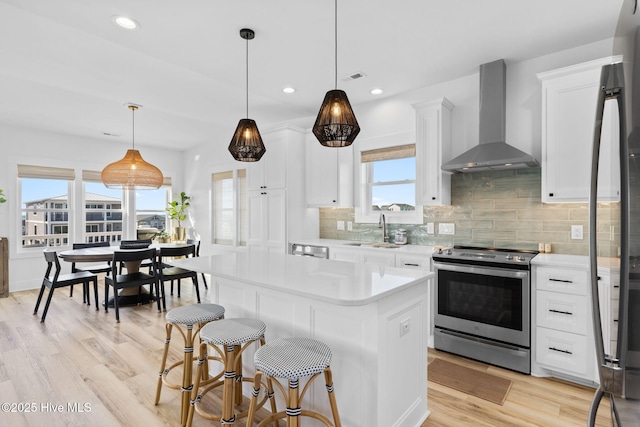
(354, 76)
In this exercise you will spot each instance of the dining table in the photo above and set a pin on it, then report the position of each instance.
(127, 296)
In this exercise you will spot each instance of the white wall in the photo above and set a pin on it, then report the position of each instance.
(34, 147)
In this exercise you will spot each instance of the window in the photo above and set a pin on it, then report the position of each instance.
(103, 213)
(388, 185)
(151, 205)
(44, 205)
(229, 197)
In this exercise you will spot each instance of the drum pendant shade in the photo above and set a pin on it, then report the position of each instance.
(132, 171)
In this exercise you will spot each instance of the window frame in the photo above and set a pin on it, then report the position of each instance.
(89, 176)
(236, 241)
(363, 183)
(31, 171)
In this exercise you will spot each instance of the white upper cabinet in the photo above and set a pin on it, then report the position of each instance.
(270, 171)
(433, 148)
(329, 174)
(569, 97)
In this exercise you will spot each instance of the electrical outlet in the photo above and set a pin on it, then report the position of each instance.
(446, 228)
(576, 232)
(340, 225)
(430, 228)
(405, 326)
(349, 226)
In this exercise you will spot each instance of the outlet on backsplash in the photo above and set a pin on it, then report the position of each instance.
(430, 228)
(446, 228)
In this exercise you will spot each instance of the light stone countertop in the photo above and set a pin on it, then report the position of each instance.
(574, 261)
(366, 245)
(335, 282)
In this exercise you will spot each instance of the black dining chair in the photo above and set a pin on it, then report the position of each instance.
(131, 279)
(93, 268)
(58, 280)
(170, 273)
(136, 244)
(197, 243)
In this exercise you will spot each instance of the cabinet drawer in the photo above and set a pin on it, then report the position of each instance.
(566, 281)
(562, 312)
(407, 261)
(563, 351)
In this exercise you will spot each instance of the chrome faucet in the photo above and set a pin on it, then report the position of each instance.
(382, 223)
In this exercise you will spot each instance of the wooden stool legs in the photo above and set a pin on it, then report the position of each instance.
(187, 372)
(231, 385)
(293, 398)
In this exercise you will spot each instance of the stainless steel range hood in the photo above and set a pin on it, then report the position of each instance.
(492, 152)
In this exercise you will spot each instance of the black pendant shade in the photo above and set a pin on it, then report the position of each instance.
(246, 144)
(336, 125)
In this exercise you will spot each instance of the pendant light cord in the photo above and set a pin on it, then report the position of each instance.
(335, 41)
(247, 74)
(133, 109)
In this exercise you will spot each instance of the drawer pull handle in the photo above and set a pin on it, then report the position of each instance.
(560, 351)
(551, 279)
(561, 312)
(412, 264)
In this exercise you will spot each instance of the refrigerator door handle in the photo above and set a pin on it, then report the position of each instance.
(609, 368)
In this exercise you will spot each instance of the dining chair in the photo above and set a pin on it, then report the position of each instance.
(131, 279)
(171, 273)
(93, 268)
(197, 243)
(58, 280)
(136, 244)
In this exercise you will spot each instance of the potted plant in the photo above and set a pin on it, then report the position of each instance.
(2, 199)
(177, 210)
(162, 236)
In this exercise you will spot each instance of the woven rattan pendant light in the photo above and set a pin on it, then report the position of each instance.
(132, 172)
(246, 144)
(336, 124)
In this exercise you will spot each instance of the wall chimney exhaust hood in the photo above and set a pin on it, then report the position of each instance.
(493, 153)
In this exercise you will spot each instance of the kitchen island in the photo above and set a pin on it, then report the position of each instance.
(374, 318)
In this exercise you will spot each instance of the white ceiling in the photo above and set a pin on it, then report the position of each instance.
(65, 67)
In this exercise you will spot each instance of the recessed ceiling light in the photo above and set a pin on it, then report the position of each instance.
(376, 91)
(125, 22)
(289, 90)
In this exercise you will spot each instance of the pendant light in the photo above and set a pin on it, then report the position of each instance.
(246, 144)
(132, 172)
(336, 124)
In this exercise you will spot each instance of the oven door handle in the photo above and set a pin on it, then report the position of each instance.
(463, 268)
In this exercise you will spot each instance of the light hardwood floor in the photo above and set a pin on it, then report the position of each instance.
(80, 356)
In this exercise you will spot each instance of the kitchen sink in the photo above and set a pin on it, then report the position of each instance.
(353, 244)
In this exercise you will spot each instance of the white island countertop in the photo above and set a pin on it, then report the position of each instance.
(335, 282)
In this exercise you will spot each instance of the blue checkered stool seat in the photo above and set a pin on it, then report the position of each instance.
(292, 359)
(234, 336)
(186, 316)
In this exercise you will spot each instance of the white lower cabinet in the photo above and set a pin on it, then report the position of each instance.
(562, 326)
(414, 262)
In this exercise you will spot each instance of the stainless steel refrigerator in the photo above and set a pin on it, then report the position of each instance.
(619, 367)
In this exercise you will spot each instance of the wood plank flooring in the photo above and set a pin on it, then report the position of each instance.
(109, 372)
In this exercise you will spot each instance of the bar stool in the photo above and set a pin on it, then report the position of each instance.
(188, 315)
(293, 358)
(234, 336)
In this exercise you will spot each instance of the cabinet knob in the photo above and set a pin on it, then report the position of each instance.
(433, 198)
(334, 201)
(550, 194)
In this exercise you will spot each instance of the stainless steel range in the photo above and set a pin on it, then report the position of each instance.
(483, 305)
